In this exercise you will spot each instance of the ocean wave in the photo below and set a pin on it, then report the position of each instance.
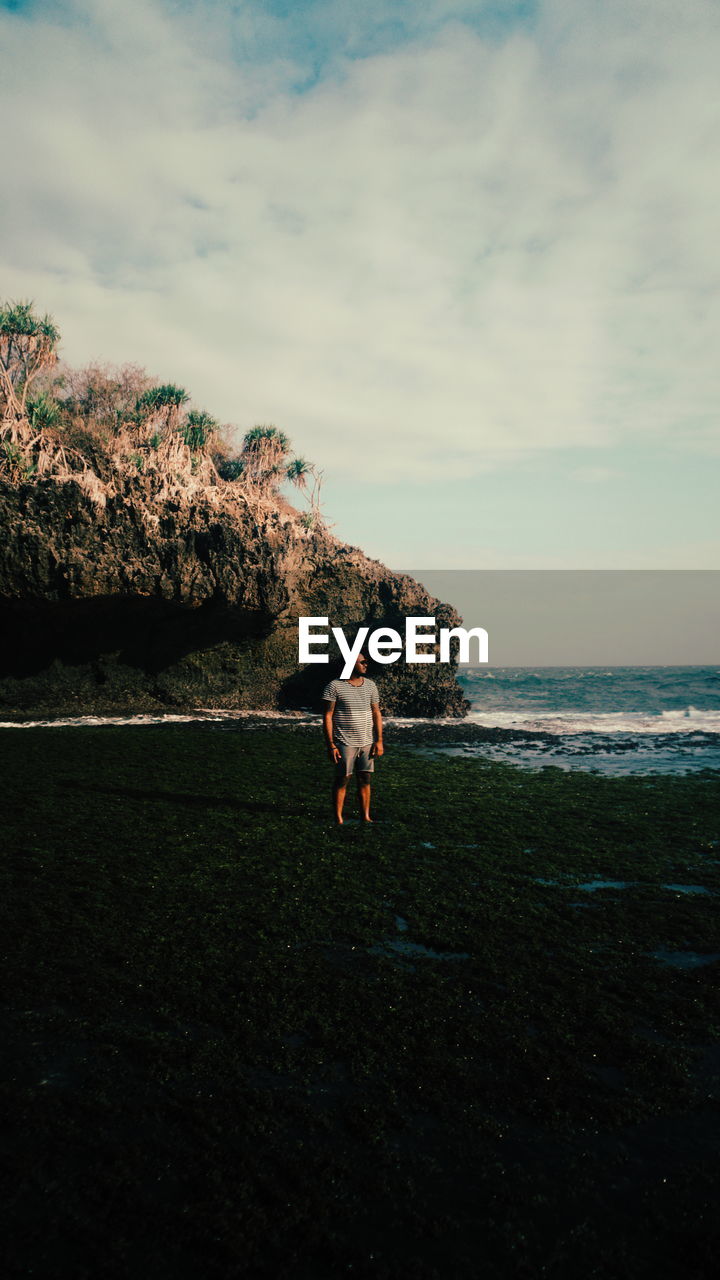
(689, 720)
(557, 675)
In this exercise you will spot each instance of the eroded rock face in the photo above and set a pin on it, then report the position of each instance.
(139, 601)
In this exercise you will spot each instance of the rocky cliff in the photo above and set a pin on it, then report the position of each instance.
(132, 599)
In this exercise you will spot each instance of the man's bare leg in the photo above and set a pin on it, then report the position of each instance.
(339, 792)
(363, 790)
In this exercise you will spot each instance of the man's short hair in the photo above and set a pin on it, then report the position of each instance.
(338, 666)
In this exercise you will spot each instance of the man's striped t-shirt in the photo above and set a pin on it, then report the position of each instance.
(352, 717)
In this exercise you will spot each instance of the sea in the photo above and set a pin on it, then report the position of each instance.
(615, 720)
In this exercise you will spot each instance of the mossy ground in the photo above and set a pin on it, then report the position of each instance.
(221, 1066)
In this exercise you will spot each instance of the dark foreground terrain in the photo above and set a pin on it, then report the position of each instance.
(239, 1043)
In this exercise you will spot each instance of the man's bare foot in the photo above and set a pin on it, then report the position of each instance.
(368, 819)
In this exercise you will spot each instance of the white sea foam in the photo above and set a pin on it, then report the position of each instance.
(689, 720)
(185, 717)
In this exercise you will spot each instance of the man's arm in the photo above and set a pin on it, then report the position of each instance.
(377, 748)
(333, 750)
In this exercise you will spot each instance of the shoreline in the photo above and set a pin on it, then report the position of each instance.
(665, 752)
(454, 729)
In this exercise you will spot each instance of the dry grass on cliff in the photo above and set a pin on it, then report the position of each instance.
(103, 425)
(93, 427)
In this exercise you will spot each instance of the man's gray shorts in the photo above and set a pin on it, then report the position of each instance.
(355, 758)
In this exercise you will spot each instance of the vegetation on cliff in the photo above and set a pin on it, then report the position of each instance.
(103, 423)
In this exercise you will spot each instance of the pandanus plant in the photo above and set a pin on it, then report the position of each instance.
(162, 404)
(298, 473)
(263, 454)
(42, 411)
(308, 479)
(197, 429)
(27, 346)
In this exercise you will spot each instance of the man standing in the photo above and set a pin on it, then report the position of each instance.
(353, 730)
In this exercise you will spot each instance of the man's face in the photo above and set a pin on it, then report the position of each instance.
(360, 665)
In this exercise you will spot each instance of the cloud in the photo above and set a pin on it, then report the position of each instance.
(594, 475)
(422, 253)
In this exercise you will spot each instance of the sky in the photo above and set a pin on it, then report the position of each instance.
(464, 254)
